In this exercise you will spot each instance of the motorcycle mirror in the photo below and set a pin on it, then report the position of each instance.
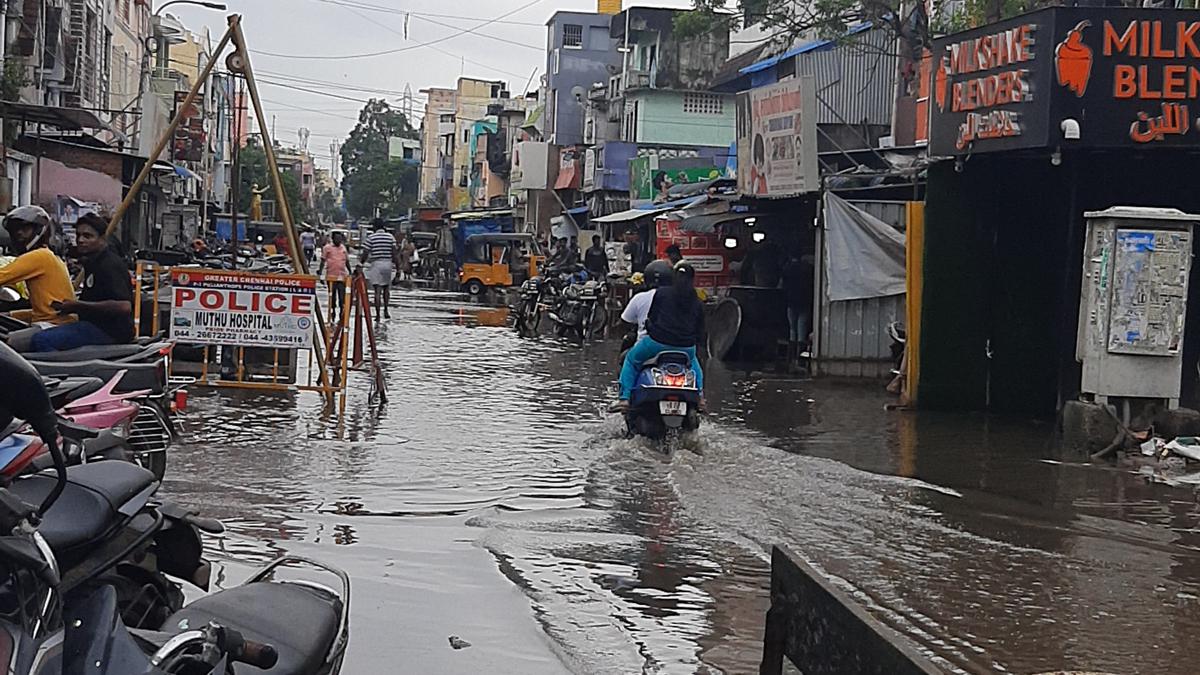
(24, 396)
(8, 294)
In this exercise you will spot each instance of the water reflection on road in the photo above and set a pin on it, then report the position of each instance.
(492, 500)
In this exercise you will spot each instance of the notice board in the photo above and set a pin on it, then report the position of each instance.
(242, 309)
(1149, 292)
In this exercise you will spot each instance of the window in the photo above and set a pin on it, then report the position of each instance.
(466, 135)
(786, 68)
(572, 36)
(703, 104)
(598, 38)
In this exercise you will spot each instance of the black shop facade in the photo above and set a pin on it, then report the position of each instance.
(1036, 120)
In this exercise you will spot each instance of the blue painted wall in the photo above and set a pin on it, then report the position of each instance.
(570, 67)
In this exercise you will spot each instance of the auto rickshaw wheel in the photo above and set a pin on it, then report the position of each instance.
(475, 287)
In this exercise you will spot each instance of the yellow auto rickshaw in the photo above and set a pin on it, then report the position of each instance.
(499, 260)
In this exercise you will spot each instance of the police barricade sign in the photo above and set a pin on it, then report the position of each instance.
(242, 309)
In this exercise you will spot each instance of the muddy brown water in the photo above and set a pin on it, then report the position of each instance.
(493, 500)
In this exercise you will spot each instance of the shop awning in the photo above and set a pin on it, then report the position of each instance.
(707, 224)
(71, 119)
(630, 215)
(178, 170)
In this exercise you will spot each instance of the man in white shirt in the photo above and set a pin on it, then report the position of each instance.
(658, 273)
(637, 310)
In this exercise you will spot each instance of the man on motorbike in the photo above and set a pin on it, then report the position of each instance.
(44, 274)
(105, 305)
(675, 322)
(658, 273)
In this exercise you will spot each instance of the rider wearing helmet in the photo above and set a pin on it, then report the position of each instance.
(44, 274)
(658, 273)
(674, 322)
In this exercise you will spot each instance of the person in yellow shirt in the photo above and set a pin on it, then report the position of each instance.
(44, 274)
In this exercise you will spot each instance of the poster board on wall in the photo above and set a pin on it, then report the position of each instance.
(777, 139)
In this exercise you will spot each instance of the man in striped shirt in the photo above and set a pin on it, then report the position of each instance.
(381, 251)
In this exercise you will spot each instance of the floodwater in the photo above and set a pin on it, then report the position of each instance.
(494, 501)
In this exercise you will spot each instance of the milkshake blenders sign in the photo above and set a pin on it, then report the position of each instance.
(1128, 77)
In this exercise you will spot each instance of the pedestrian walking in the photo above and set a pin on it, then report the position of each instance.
(382, 255)
(308, 242)
(335, 261)
(797, 284)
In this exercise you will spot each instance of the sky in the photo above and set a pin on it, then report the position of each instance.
(510, 48)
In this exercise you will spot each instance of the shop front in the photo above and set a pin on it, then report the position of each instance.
(1040, 119)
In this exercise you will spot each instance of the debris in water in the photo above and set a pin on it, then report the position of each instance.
(458, 643)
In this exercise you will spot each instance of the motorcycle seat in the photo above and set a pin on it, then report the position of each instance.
(138, 376)
(300, 622)
(91, 353)
(663, 358)
(63, 391)
(89, 504)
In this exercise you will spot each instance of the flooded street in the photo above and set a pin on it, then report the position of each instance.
(493, 500)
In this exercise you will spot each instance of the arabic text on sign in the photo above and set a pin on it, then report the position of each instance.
(982, 126)
(1174, 120)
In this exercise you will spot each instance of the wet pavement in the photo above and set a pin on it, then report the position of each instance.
(493, 500)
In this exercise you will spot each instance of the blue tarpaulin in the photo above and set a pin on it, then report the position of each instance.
(225, 229)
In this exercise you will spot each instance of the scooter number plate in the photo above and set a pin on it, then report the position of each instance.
(672, 407)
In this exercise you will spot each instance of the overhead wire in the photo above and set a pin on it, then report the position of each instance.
(458, 33)
(406, 12)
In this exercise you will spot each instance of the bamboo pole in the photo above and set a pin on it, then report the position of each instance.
(298, 261)
(166, 136)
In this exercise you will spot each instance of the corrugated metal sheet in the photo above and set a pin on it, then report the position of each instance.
(856, 81)
(852, 339)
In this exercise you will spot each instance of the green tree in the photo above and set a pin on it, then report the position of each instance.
(372, 182)
(252, 170)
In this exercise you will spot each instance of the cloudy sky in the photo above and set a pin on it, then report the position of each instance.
(324, 94)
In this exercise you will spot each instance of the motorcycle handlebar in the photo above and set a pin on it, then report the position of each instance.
(257, 654)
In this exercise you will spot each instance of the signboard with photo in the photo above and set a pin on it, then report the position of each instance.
(242, 309)
(777, 139)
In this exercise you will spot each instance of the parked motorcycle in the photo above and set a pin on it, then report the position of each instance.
(665, 399)
(529, 306)
(69, 620)
(580, 309)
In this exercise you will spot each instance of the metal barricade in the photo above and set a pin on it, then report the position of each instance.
(223, 362)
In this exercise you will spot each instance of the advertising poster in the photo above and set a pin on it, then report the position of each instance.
(777, 139)
(188, 143)
(1149, 295)
(703, 250)
(242, 309)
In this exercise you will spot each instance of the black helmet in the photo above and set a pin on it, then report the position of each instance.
(658, 273)
(24, 216)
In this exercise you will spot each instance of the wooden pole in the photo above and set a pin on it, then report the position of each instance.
(170, 130)
(298, 261)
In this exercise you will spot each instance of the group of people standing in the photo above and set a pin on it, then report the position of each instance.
(385, 261)
(60, 318)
